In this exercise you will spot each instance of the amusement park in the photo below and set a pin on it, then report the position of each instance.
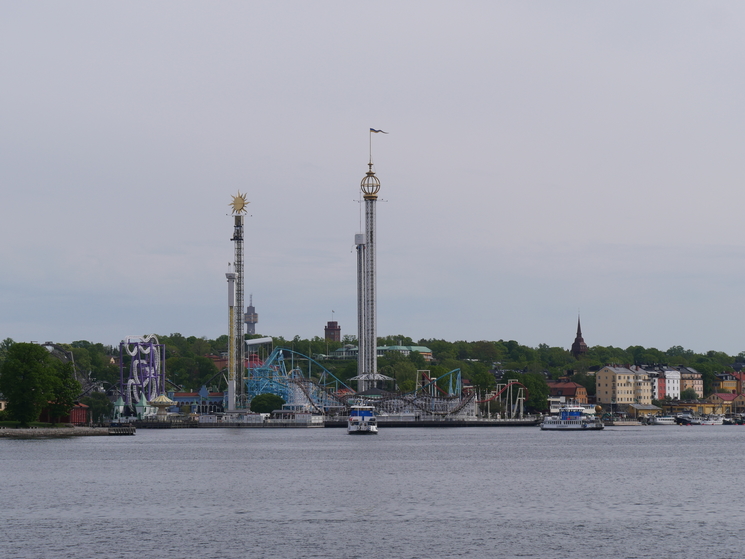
(312, 394)
(308, 389)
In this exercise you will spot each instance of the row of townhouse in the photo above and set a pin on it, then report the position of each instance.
(731, 383)
(637, 385)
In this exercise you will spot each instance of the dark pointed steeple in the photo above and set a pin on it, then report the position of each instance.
(579, 346)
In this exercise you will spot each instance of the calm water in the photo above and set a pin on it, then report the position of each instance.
(658, 492)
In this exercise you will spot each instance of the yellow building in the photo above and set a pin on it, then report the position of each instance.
(724, 401)
(726, 383)
(738, 404)
(691, 378)
(699, 407)
(619, 385)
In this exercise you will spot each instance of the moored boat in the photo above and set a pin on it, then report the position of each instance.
(662, 420)
(571, 418)
(361, 421)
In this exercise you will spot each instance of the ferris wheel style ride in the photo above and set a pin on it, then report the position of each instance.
(146, 375)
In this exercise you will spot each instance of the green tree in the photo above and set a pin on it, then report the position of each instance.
(93, 361)
(481, 379)
(64, 390)
(266, 403)
(4, 347)
(417, 359)
(487, 352)
(27, 380)
(99, 404)
(588, 381)
(688, 394)
(537, 400)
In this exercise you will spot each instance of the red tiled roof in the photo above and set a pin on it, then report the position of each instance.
(728, 397)
(562, 384)
(563, 388)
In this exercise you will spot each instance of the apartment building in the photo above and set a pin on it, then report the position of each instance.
(622, 385)
(691, 378)
(665, 383)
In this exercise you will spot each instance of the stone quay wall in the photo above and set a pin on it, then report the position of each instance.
(52, 432)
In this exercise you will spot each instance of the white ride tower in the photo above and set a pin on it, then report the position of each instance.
(367, 333)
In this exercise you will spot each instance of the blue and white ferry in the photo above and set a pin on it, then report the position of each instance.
(361, 421)
(571, 418)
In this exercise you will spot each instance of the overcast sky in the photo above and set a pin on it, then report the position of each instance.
(542, 158)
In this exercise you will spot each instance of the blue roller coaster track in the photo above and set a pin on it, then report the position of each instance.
(299, 379)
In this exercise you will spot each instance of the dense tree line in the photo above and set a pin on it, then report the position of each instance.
(483, 363)
(32, 380)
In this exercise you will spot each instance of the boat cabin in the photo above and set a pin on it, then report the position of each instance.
(362, 411)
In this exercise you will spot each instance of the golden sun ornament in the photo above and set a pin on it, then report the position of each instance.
(239, 203)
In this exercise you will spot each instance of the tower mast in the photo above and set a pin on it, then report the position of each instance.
(236, 374)
(231, 341)
(370, 187)
(359, 240)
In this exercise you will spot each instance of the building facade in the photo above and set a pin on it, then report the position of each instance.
(659, 385)
(665, 383)
(672, 384)
(621, 385)
(691, 378)
(570, 391)
(726, 383)
(332, 332)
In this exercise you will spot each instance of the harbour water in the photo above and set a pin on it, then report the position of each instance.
(626, 492)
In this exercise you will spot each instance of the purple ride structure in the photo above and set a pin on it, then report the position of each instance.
(144, 360)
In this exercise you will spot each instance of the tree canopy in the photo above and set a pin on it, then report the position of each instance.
(31, 379)
(190, 362)
(266, 403)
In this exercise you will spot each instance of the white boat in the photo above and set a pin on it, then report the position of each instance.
(712, 420)
(571, 418)
(361, 421)
(662, 420)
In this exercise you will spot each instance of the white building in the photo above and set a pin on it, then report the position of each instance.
(672, 383)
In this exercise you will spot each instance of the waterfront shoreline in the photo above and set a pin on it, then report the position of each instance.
(52, 432)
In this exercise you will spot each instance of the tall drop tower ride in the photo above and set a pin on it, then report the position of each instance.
(236, 347)
(370, 187)
(367, 333)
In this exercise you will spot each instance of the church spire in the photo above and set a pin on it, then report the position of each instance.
(579, 346)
